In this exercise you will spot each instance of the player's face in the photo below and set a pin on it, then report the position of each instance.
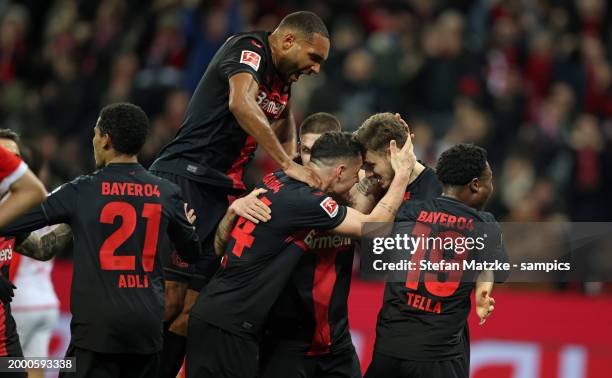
(306, 142)
(346, 176)
(377, 165)
(10, 145)
(485, 188)
(302, 56)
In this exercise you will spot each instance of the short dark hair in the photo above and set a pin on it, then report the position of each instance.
(335, 145)
(379, 130)
(307, 23)
(319, 123)
(9, 134)
(461, 163)
(126, 124)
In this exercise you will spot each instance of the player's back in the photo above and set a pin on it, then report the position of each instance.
(425, 319)
(254, 271)
(120, 221)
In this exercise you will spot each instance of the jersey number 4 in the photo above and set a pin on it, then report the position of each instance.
(152, 213)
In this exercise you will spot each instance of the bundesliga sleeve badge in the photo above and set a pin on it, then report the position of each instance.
(330, 206)
(250, 58)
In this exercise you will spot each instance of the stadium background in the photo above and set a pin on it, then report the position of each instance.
(530, 80)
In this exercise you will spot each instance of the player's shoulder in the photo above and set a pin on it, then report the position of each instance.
(256, 39)
(410, 210)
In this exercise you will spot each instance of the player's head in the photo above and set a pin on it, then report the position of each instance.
(10, 140)
(302, 44)
(375, 134)
(312, 128)
(121, 129)
(464, 172)
(336, 157)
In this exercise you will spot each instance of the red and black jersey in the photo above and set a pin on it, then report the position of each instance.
(311, 315)
(121, 216)
(11, 169)
(256, 266)
(9, 339)
(210, 146)
(425, 318)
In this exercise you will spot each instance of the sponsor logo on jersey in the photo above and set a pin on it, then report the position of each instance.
(316, 241)
(271, 103)
(250, 58)
(6, 251)
(330, 206)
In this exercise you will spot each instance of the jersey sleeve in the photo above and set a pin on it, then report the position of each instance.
(317, 211)
(245, 55)
(181, 232)
(12, 168)
(60, 205)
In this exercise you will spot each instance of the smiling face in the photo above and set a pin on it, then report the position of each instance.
(377, 166)
(301, 56)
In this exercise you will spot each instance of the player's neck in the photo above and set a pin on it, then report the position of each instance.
(272, 38)
(123, 159)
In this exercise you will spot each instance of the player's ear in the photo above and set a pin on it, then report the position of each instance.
(106, 142)
(340, 170)
(474, 185)
(288, 40)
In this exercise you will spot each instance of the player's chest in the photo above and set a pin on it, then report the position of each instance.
(273, 97)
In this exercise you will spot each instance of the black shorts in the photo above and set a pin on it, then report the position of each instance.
(210, 204)
(383, 366)
(215, 353)
(90, 364)
(344, 364)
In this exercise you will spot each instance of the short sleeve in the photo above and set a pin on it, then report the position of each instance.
(247, 54)
(12, 168)
(318, 211)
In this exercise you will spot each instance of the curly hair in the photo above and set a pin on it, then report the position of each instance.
(461, 163)
(127, 125)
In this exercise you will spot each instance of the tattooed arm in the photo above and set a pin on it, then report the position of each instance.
(45, 247)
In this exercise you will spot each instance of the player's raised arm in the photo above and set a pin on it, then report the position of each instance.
(402, 162)
(243, 105)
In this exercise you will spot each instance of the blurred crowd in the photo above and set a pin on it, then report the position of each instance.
(530, 80)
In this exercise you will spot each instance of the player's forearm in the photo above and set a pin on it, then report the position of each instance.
(252, 120)
(19, 201)
(362, 196)
(387, 207)
(48, 245)
(286, 132)
(223, 231)
(32, 220)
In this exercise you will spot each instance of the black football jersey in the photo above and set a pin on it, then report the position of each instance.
(425, 317)
(121, 216)
(256, 266)
(210, 146)
(311, 315)
(9, 339)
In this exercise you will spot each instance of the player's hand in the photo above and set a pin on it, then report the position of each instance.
(252, 208)
(303, 174)
(190, 214)
(484, 306)
(402, 160)
(6, 290)
(401, 120)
